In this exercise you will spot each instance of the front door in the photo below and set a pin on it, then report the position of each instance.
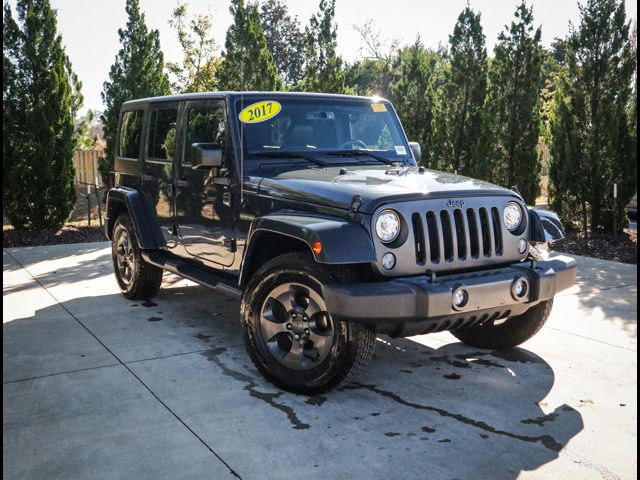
(204, 212)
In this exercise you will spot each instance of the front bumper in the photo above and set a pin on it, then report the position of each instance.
(413, 305)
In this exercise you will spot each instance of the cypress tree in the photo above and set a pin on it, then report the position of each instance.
(247, 62)
(138, 71)
(459, 114)
(591, 126)
(512, 127)
(412, 93)
(38, 131)
(324, 70)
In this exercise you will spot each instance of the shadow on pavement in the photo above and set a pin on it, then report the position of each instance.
(453, 411)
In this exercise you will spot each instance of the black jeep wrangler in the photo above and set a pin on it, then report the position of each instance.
(313, 210)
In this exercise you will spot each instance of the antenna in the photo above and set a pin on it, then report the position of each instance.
(241, 151)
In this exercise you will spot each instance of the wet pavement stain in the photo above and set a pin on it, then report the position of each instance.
(450, 361)
(200, 336)
(375, 414)
(540, 420)
(251, 387)
(392, 434)
(487, 363)
(428, 429)
(154, 319)
(316, 400)
(546, 440)
(444, 440)
(484, 435)
(406, 371)
(149, 304)
(453, 376)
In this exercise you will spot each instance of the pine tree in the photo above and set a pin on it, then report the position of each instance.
(412, 93)
(324, 70)
(285, 39)
(247, 62)
(591, 127)
(508, 152)
(38, 131)
(458, 119)
(138, 72)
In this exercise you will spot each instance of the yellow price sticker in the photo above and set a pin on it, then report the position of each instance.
(260, 111)
(378, 107)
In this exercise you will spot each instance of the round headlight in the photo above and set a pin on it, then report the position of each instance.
(512, 216)
(388, 226)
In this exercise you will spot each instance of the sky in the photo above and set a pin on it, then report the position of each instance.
(89, 27)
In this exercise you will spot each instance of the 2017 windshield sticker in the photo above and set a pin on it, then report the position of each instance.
(260, 111)
(400, 150)
(378, 107)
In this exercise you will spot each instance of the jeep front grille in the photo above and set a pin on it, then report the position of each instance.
(458, 235)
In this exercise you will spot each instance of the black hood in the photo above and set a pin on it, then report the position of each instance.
(375, 185)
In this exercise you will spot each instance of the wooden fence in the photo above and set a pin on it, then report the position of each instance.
(86, 165)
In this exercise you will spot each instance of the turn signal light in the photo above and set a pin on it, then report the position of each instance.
(317, 248)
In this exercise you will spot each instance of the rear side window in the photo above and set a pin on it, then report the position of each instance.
(130, 132)
(162, 134)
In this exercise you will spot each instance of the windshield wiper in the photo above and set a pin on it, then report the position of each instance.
(288, 154)
(363, 153)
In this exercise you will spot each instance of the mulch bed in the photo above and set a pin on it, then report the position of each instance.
(68, 234)
(623, 248)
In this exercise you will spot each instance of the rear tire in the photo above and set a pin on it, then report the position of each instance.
(290, 337)
(513, 332)
(136, 278)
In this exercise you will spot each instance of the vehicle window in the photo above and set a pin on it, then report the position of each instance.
(317, 125)
(205, 124)
(162, 134)
(130, 132)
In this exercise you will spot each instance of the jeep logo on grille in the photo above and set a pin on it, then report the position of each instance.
(455, 203)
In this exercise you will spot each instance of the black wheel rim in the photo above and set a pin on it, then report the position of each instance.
(296, 327)
(124, 257)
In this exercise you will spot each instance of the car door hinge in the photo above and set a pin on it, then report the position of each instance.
(230, 244)
(226, 199)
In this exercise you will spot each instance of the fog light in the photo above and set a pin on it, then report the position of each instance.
(388, 261)
(520, 288)
(460, 298)
(522, 245)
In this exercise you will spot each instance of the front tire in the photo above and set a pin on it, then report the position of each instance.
(290, 336)
(136, 278)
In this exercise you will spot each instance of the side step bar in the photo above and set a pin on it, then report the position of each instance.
(195, 274)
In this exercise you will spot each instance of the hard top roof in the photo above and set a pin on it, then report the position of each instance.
(232, 94)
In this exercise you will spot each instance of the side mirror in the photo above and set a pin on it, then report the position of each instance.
(206, 156)
(417, 151)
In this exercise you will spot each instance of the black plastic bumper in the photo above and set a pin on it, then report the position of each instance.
(412, 305)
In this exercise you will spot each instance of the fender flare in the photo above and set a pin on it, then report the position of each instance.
(343, 242)
(545, 226)
(142, 213)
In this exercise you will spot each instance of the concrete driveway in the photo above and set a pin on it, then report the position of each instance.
(97, 386)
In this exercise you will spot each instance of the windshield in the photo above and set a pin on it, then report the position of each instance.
(320, 127)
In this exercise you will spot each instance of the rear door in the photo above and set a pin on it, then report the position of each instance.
(159, 153)
(204, 209)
